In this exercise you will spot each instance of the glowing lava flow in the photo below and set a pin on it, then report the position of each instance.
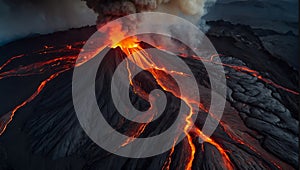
(10, 60)
(6, 119)
(56, 65)
(225, 157)
(167, 164)
(41, 67)
(183, 53)
(141, 58)
(245, 70)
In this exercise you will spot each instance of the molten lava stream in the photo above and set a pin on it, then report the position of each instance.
(141, 58)
(7, 118)
(183, 53)
(41, 67)
(10, 60)
(246, 70)
(56, 66)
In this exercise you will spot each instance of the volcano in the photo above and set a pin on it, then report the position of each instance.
(40, 129)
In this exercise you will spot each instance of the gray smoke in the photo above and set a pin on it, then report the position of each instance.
(19, 18)
(108, 10)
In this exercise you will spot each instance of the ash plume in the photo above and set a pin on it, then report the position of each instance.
(192, 10)
(109, 10)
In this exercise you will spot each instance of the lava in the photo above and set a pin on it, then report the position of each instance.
(41, 67)
(245, 69)
(225, 157)
(10, 60)
(54, 66)
(168, 161)
(8, 117)
(141, 58)
(182, 52)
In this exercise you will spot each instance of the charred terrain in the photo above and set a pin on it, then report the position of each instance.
(40, 130)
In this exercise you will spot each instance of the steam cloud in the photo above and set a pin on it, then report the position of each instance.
(19, 18)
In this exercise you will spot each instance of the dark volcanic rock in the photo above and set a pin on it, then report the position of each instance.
(259, 128)
(55, 130)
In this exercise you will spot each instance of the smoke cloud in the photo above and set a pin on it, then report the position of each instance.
(192, 10)
(108, 10)
(20, 18)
